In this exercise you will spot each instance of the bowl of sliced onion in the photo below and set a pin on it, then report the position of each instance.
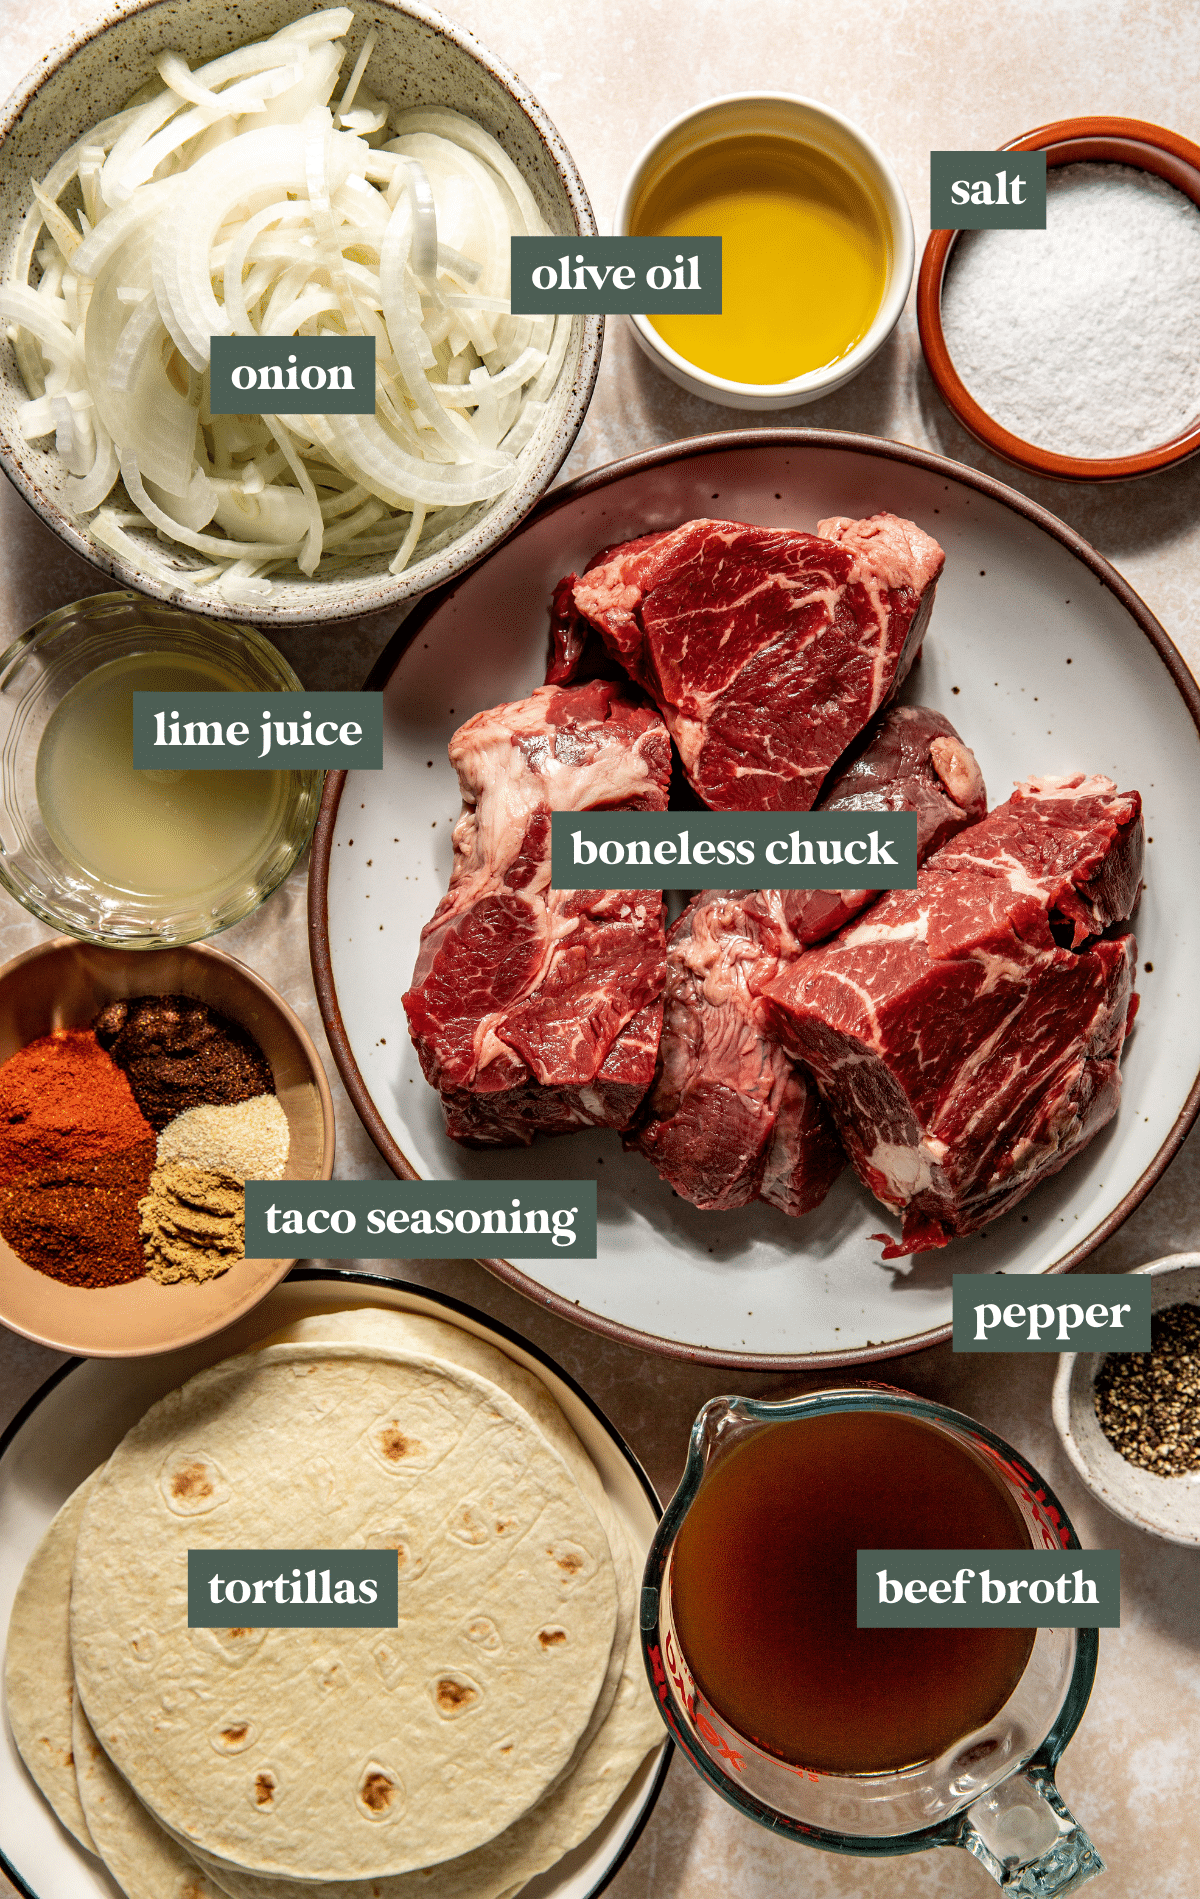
(354, 171)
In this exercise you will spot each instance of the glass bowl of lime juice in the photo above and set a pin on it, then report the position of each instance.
(140, 859)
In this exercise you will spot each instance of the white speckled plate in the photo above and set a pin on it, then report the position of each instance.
(1046, 661)
(83, 1412)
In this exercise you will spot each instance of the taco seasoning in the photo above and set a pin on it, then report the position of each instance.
(180, 1054)
(80, 1224)
(88, 1195)
(194, 1215)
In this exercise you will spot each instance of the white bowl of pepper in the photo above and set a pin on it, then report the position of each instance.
(1130, 1421)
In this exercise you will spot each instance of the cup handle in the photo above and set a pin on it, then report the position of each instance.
(1023, 1834)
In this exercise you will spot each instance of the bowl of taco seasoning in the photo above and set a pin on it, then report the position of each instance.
(139, 1091)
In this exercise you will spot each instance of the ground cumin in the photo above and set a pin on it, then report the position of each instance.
(193, 1223)
(64, 1103)
(79, 1222)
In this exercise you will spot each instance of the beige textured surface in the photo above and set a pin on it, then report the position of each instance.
(916, 74)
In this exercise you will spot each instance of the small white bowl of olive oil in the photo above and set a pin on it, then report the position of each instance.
(137, 859)
(817, 247)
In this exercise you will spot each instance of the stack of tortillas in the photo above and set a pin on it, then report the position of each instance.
(455, 1756)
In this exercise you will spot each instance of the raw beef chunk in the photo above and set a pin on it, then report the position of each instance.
(966, 1036)
(536, 1010)
(911, 759)
(573, 639)
(766, 650)
(730, 1118)
(513, 1116)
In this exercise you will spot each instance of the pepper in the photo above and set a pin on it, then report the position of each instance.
(1148, 1403)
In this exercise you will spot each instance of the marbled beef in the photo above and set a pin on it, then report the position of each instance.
(730, 1116)
(536, 1010)
(966, 1036)
(767, 650)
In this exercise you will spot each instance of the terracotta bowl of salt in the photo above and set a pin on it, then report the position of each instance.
(64, 984)
(1135, 143)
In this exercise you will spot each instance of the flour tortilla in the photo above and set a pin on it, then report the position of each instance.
(563, 1819)
(432, 1339)
(144, 1860)
(464, 1714)
(150, 1864)
(39, 1687)
(614, 1748)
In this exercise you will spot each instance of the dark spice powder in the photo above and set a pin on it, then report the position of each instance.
(180, 1054)
(1148, 1403)
(79, 1222)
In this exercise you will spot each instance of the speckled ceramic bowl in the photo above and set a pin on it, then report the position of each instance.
(1166, 1506)
(419, 59)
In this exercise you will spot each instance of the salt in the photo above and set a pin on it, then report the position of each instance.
(1084, 338)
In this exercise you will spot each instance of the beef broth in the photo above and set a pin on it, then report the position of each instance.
(765, 1591)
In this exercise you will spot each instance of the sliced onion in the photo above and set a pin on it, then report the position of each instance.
(365, 450)
(318, 76)
(249, 97)
(360, 67)
(194, 507)
(57, 223)
(91, 489)
(315, 529)
(424, 217)
(203, 543)
(460, 130)
(33, 313)
(317, 134)
(202, 199)
(112, 231)
(274, 221)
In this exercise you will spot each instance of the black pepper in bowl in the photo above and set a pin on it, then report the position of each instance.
(177, 1054)
(1148, 1403)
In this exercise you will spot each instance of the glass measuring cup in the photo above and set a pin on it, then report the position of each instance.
(992, 1792)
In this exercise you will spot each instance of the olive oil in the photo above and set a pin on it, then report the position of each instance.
(173, 835)
(804, 255)
(765, 1593)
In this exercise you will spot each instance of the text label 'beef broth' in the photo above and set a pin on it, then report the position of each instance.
(703, 850)
(989, 1589)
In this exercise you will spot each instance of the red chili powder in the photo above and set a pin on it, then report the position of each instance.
(64, 1102)
(76, 1153)
(80, 1223)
